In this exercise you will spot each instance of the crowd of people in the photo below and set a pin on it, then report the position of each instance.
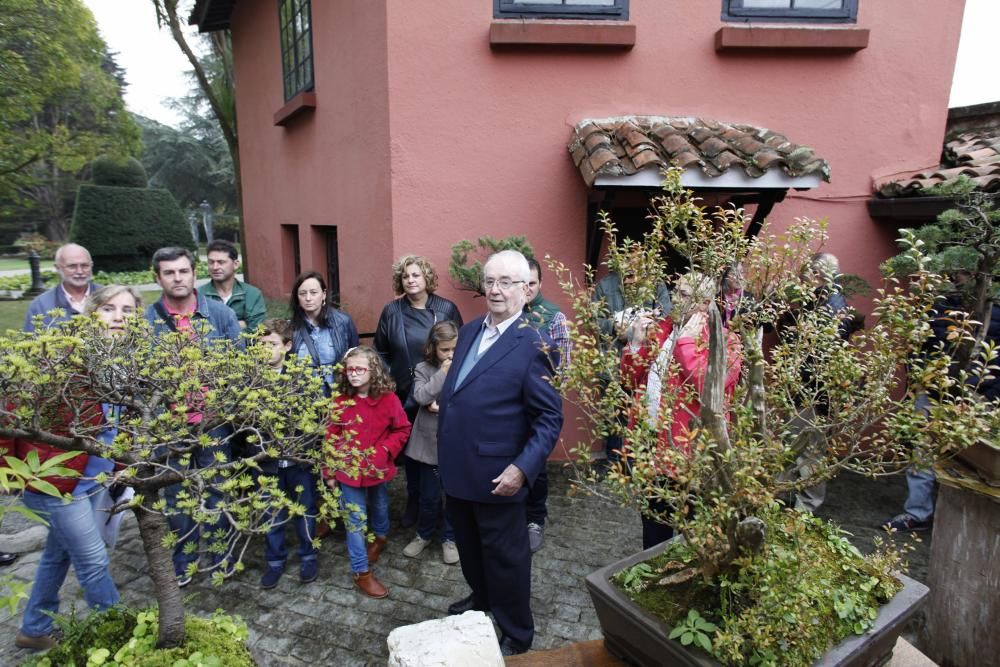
(471, 447)
(465, 410)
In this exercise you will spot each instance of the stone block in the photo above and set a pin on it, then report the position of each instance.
(453, 641)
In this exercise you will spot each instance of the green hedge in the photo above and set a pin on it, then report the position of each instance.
(128, 173)
(123, 227)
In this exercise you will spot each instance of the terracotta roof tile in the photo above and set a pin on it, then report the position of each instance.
(622, 146)
(973, 154)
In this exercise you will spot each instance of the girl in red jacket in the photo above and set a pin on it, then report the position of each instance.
(372, 428)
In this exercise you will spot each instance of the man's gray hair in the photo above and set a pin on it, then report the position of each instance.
(70, 246)
(515, 260)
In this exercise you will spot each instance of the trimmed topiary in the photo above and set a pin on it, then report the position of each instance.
(128, 173)
(123, 227)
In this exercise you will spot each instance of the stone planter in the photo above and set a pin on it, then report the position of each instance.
(632, 634)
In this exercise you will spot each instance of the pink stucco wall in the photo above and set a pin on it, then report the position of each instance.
(423, 134)
(479, 136)
(330, 167)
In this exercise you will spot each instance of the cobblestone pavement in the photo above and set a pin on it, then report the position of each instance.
(328, 622)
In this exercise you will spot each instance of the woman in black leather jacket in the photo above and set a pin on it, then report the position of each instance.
(400, 337)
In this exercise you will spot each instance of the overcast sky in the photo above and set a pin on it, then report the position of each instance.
(155, 68)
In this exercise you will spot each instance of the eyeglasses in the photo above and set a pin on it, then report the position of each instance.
(356, 370)
(78, 267)
(504, 283)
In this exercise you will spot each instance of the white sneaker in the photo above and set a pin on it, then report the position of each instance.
(416, 547)
(449, 553)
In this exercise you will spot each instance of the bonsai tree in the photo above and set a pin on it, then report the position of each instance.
(747, 561)
(53, 379)
(963, 242)
(466, 265)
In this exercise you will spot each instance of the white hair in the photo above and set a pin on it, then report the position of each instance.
(513, 260)
(70, 246)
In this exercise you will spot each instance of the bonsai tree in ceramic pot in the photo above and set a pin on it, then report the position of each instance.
(754, 579)
(54, 380)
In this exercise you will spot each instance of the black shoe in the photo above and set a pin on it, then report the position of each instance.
(509, 646)
(464, 605)
(7, 559)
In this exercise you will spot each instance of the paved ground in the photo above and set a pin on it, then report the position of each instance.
(329, 623)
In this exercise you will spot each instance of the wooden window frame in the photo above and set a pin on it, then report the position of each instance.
(733, 10)
(507, 9)
(295, 38)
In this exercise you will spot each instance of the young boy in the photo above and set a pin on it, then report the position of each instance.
(290, 475)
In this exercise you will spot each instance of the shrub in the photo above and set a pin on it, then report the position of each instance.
(123, 227)
(127, 637)
(467, 259)
(45, 248)
(128, 173)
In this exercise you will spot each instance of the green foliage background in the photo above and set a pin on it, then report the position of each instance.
(123, 227)
(60, 106)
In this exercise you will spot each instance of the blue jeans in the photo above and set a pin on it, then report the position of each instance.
(305, 526)
(372, 509)
(920, 494)
(181, 524)
(430, 505)
(920, 483)
(74, 537)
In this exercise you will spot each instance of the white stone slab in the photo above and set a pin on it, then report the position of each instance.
(453, 641)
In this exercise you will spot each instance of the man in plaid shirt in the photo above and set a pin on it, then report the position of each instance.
(546, 316)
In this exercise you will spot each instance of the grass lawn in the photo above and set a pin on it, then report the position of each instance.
(12, 312)
(21, 263)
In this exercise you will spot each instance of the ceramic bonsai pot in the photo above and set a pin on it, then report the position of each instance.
(632, 634)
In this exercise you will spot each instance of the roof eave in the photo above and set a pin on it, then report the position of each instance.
(211, 15)
(733, 179)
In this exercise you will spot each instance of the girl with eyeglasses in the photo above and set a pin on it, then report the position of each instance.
(370, 431)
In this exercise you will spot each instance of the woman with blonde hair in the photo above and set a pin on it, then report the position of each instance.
(400, 337)
(75, 534)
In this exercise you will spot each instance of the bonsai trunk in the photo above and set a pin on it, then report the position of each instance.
(747, 532)
(153, 529)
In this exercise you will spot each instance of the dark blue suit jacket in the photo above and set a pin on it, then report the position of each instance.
(505, 411)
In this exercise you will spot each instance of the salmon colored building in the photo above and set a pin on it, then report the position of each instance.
(370, 129)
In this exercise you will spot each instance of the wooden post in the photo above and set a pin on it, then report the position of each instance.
(964, 574)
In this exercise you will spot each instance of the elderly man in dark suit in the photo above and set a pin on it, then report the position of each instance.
(499, 420)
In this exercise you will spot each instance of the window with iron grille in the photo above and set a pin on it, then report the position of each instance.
(561, 9)
(295, 23)
(823, 11)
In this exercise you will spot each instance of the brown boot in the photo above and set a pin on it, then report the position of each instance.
(375, 548)
(369, 585)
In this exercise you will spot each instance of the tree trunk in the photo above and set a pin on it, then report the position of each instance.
(153, 528)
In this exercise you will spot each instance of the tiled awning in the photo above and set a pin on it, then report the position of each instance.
(625, 146)
(974, 154)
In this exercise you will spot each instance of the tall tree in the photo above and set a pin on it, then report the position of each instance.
(193, 163)
(214, 74)
(60, 106)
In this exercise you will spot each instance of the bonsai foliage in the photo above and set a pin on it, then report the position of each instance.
(467, 259)
(127, 638)
(850, 391)
(54, 380)
(963, 240)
